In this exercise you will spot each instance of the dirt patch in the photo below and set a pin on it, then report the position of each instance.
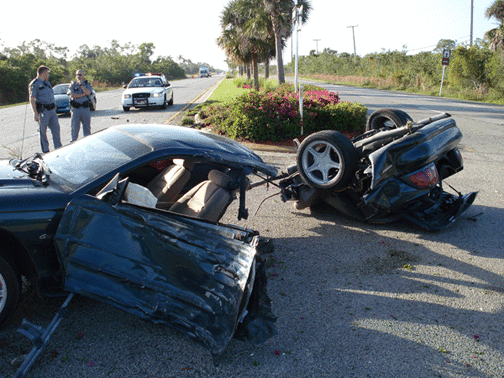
(392, 260)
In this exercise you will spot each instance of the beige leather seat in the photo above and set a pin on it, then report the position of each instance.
(168, 184)
(209, 199)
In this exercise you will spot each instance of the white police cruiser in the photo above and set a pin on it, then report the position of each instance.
(151, 89)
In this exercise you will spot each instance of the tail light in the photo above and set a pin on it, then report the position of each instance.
(425, 177)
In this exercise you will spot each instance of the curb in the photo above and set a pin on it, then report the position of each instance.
(198, 100)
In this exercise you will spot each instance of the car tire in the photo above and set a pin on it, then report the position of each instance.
(387, 119)
(327, 160)
(126, 108)
(170, 103)
(164, 103)
(10, 289)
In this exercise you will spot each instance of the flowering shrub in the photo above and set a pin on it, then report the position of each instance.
(274, 115)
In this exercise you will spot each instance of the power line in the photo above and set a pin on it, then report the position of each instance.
(457, 41)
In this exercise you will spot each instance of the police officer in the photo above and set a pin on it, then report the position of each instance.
(44, 108)
(79, 92)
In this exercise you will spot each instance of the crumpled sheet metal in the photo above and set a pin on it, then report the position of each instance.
(194, 276)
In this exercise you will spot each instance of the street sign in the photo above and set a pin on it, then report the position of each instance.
(445, 61)
(446, 57)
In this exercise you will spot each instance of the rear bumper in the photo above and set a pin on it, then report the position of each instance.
(443, 213)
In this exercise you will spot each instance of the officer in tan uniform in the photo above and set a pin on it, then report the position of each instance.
(79, 92)
(44, 108)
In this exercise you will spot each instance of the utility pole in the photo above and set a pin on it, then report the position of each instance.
(471, 33)
(298, 12)
(316, 44)
(353, 33)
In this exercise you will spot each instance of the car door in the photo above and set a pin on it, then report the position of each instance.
(193, 275)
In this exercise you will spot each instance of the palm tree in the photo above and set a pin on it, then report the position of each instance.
(280, 13)
(244, 35)
(229, 40)
(496, 36)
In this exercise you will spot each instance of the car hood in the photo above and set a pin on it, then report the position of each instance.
(19, 191)
(61, 97)
(12, 178)
(144, 90)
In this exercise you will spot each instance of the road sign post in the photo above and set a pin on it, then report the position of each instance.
(445, 61)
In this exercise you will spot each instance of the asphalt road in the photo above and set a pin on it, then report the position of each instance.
(352, 299)
(19, 132)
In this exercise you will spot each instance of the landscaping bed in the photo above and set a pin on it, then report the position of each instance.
(271, 115)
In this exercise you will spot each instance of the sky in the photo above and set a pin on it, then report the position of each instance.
(190, 28)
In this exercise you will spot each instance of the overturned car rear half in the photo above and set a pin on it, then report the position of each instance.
(394, 170)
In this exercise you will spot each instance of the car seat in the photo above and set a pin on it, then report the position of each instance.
(168, 184)
(209, 199)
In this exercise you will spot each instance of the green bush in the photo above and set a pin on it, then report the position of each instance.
(187, 121)
(274, 116)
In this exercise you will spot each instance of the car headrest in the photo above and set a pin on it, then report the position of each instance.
(188, 164)
(219, 178)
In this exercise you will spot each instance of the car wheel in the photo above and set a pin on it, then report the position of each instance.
(164, 103)
(327, 160)
(170, 103)
(126, 108)
(387, 119)
(10, 288)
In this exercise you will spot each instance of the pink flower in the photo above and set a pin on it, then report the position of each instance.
(276, 352)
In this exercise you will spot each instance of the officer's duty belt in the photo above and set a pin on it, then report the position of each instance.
(46, 106)
(77, 105)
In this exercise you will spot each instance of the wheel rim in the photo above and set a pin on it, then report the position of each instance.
(3, 293)
(322, 163)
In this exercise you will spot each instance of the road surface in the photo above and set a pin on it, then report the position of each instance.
(19, 132)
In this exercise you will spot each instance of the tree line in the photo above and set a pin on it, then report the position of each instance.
(105, 66)
(474, 72)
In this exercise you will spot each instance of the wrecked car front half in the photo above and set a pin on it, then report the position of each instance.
(201, 278)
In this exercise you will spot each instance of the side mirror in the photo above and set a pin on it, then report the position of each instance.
(167, 85)
(124, 85)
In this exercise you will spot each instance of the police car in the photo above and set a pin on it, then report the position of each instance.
(151, 89)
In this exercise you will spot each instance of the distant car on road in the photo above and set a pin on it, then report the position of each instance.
(152, 89)
(204, 71)
(63, 100)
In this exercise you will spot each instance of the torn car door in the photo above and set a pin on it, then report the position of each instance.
(203, 279)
